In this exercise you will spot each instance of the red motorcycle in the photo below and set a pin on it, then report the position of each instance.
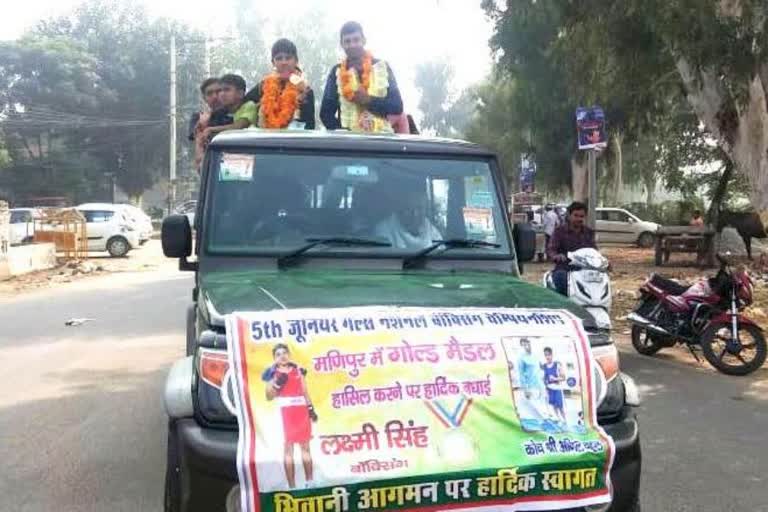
(706, 314)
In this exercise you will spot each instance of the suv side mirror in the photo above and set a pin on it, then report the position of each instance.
(525, 242)
(176, 237)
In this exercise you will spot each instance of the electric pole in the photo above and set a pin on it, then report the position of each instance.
(592, 184)
(172, 149)
(207, 56)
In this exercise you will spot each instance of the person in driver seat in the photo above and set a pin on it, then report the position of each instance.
(408, 227)
(279, 210)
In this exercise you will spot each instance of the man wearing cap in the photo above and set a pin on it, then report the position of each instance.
(361, 92)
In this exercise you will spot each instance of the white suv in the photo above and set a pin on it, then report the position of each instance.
(616, 225)
(22, 225)
(109, 229)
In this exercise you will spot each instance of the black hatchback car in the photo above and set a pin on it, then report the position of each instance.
(233, 274)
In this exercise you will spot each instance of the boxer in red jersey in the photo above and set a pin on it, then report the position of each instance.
(286, 386)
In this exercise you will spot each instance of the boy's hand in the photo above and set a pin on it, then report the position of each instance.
(312, 413)
(361, 97)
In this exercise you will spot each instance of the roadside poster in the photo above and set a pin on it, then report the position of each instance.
(590, 125)
(386, 409)
(527, 173)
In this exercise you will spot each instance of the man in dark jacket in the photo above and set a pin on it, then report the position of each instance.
(569, 237)
(361, 91)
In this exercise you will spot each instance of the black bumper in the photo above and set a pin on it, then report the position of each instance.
(207, 464)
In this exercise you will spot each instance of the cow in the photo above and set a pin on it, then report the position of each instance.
(748, 224)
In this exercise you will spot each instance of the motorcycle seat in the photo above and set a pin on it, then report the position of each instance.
(668, 285)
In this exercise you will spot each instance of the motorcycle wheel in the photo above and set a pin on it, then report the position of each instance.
(645, 342)
(717, 344)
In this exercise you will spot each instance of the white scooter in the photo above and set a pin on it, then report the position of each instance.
(588, 284)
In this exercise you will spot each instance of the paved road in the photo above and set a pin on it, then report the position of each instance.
(82, 426)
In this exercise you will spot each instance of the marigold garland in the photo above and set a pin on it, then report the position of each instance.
(278, 107)
(346, 77)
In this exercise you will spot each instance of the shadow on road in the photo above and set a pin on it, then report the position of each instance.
(99, 447)
(700, 433)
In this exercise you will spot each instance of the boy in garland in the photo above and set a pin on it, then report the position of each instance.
(285, 99)
(360, 91)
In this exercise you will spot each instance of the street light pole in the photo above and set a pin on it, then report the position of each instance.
(172, 149)
(592, 184)
(207, 56)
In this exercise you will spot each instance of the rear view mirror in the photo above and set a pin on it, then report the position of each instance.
(525, 242)
(176, 236)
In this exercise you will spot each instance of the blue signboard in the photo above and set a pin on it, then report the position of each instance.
(590, 124)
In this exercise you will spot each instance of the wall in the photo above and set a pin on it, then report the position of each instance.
(5, 235)
(28, 258)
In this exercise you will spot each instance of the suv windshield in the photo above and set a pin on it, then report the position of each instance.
(270, 203)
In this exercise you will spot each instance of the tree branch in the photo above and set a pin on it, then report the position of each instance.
(706, 96)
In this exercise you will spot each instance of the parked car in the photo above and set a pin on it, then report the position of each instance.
(139, 220)
(187, 208)
(616, 225)
(328, 186)
(109, 229)
(142, 221)
(22, 225)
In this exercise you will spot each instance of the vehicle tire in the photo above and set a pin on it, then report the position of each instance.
(646, 240)
(172, 473)
(645, 342)
(28, 240)
(118, 247)
(715, 354)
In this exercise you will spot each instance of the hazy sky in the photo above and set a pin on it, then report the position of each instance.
(404, 32)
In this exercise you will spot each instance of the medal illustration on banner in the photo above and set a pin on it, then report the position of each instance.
(453, 444)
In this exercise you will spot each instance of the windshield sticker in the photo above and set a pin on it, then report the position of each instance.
(236, 167)
(478, 192)
(478, 220)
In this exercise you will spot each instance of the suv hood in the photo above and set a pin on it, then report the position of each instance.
(230, 291)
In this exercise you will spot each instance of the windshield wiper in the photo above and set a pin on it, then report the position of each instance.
(453, 243)
(288, 258)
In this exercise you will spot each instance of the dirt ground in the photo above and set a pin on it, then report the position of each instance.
(148, 257)
(631, 266)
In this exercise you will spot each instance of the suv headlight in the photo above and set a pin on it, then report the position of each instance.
(213, 381)
(615, 389)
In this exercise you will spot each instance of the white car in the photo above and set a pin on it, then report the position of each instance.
(22, 225)
(109, 228)
(187, 208)
(142, 220)
(616, 225)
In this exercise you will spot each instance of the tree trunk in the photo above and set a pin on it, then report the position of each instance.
(579, 183)
(618, 170)
(649, 181)
(740, 128)
(713, 214)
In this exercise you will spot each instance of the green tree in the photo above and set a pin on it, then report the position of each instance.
(132, 61)
(50, 92)
(640, 55)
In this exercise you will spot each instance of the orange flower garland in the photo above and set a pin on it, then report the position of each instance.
(278, 108)
(346, 76)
